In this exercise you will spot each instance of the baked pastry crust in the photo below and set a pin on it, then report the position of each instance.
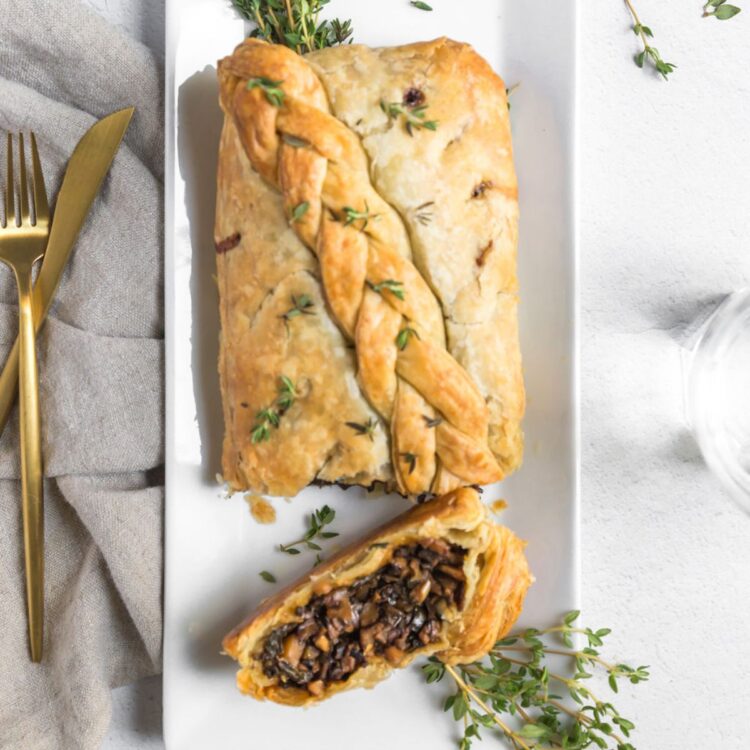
(497, 578)
(406, 360)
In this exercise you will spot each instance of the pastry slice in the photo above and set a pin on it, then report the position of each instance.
(442, 579)
(365, 237)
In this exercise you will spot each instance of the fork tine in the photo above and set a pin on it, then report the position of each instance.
(24, 185)
(41, 207)
(10, 187)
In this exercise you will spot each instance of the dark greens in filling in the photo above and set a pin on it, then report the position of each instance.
(397, 609)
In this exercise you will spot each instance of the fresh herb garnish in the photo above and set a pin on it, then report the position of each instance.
(267, 577)
(274, 94)
(368, 428)
(287, 394)
(414, 118)
(419, 4)
(301, 305)
(299, 211)
(319, 519)
(720, 10)
(294, 23)
(649, 53)
(411, 461)
(432, 421)
(271, 415)
(351, 215)
(403, 337)
(423, 213)
(261, 431)
(512, 693)
(396, 288)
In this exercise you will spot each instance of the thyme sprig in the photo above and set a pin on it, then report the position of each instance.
(302, 304)
(367, 428)
(414, 117)
(649, 52)
(720, 10)
(294, 23)
(351, 215)
(270, 416)
(272, 89)
(396, 288)
(319, 519)
(512, 692)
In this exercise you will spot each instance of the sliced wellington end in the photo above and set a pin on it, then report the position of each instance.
(441, 579)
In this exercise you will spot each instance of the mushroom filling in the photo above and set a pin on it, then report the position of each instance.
(397, 609)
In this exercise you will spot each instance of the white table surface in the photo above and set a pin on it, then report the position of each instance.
(664, 217)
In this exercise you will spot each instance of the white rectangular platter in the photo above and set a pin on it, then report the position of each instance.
(214, 548)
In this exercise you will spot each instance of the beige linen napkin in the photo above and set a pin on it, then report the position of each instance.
(61, 68)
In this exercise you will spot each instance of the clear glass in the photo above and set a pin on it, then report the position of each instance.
(717, 390)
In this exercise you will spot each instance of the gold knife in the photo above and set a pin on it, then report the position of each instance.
(86, 170)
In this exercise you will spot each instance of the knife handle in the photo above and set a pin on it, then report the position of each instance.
(9, 376)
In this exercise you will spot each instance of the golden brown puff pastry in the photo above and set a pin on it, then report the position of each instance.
(440, 579)
(366, 245)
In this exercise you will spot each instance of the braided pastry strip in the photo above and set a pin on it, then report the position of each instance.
(438, 418)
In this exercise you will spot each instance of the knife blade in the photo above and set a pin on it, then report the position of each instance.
(84, 175)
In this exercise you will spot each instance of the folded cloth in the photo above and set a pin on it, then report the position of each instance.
(101, 360)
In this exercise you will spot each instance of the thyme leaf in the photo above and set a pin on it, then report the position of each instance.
(260, 433)
(287, 394)
(432, 421)
(403, 337)
(419, 4)
(299, 211)
(411, 461)
(294, 141)
(271, 89)
(720, 10)
(301, 305)
(267, 577)
(396, 288)
(368, 428)
(351, 215)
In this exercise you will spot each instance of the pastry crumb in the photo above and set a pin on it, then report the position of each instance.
(498, 506)
(260, 509)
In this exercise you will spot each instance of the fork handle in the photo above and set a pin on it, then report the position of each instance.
(31, 465)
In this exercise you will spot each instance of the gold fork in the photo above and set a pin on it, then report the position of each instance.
(22, 242)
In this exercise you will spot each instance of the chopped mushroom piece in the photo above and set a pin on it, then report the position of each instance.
(384, 615)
